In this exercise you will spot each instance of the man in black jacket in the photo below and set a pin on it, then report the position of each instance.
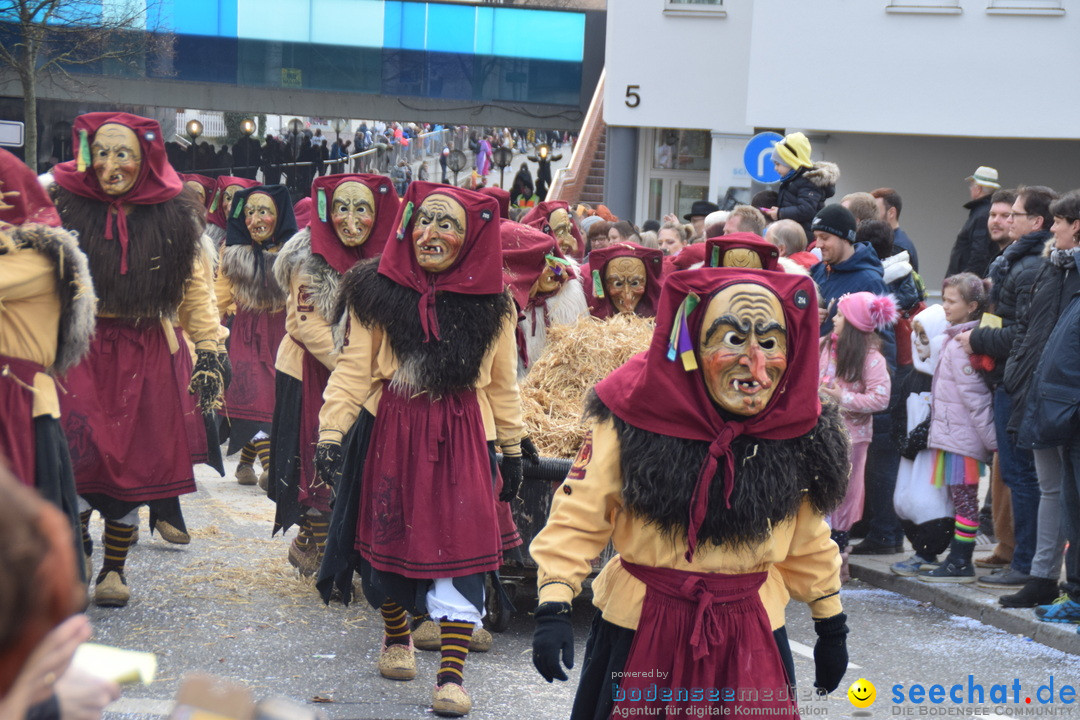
(1013, 275)
(973, 249)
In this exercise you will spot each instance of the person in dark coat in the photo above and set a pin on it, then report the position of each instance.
(805, 185)
(273, 154)
(1013, 275)
(973, 248)
(246, 155)
(1057, 281)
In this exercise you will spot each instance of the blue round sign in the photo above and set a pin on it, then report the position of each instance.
(757, 158)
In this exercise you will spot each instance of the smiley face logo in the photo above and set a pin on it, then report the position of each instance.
(862, 693)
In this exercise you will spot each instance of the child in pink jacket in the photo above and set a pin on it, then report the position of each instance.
(961, 426)
(855, 375)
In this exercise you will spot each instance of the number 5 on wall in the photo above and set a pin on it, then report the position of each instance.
(632, 98)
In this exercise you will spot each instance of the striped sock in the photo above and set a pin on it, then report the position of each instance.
(84, 523)
(419, 620)
(303, 533)
(320, 527)
(262, 449)
(247, 454)
(966, 529)
(117, 540)
(455, 648)
(395, 623)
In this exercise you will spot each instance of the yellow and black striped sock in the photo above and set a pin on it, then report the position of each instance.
(262, 449)
(395, 623)
(419, 620)
(84, 523)
(247, 454)
(320, 527)
(303, 533)
(455, 648)
(117, 541)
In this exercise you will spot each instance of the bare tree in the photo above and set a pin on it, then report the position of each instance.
(67, 41)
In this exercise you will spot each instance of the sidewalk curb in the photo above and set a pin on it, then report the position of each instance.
(967, 600)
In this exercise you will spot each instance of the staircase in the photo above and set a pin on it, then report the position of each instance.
(582, 180)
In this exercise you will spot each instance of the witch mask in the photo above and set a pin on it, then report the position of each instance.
(625, 280)
(116, 158)
(352, 213)
(438, 233)
(743, 348)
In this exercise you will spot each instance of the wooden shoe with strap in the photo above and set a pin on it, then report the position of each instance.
(451, 700)
(111, 591)
(397, 662)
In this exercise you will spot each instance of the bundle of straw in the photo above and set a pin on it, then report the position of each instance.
(576, 358)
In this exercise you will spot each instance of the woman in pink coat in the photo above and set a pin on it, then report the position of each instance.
(961, 425)
(855, 375)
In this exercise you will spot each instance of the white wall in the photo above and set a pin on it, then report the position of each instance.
(848, 65)
(691, 71)
(929, 175)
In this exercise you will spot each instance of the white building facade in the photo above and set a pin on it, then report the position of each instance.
(908, 94)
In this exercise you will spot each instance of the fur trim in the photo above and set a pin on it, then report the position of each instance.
(161, 255)
(469, 326)
(210, 252)
(824, 174)
(772, 476)
(78, 303)
(322, 280)
(897, 267)
(252, 277)
(215, 233)
(565, 307)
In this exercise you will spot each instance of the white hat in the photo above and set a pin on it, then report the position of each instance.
(985, 176)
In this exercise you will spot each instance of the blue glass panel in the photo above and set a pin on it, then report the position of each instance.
(392, 22)
(450, 28)
(485, 28)
(197, 17)
(413, 26)
(357, 23)
(540, 34)
(282, 20)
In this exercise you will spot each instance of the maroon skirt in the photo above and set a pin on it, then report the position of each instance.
(253, 346)
(17, 436)
(703, 641)
(123, 416)
(315, 375)
(427, 505)
(193, 419)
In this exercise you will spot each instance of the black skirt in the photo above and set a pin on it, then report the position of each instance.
(53, 476)
(284, 484)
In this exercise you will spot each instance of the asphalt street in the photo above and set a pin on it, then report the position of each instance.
(229, 604)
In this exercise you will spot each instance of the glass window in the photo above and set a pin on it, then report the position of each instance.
(681, 149)
(686, 194)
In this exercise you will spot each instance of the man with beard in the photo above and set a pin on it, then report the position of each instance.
(429, 349)
(709, 465)
(123, 413)
(353, 218)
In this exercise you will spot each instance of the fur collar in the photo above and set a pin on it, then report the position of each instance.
(78, 303)
(322, 281)
(824, 174)
(772, 476)
(897, 266)
(161, 255)
(565, 307)
(252, 277)
(469, 326)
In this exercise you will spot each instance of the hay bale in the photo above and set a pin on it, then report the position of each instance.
(576, 358)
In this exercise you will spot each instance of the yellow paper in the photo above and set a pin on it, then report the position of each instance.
(990, 320)
(120, 666)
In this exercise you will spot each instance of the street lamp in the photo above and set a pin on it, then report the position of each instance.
(194, 129)
(247, 127)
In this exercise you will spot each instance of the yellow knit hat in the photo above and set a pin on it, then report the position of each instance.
(794, 151)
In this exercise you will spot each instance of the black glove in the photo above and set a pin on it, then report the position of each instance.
(328, 456)
(226, 368)
(511, 475)
(554, 634)
(529, 451)
(206, 381)
(917, 440)
(830, 653)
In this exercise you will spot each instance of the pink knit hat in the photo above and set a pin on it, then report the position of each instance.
(867, 311)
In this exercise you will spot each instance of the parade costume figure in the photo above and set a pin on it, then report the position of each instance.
(46, 319)
(354, 215)
(260, 221)
(623, 278)
(220, 203)
(545, 287)
(431, 331)
(553, 217)
(202, 186)
(710, 464)
(123, 412)
(925, 511)
(741, 250)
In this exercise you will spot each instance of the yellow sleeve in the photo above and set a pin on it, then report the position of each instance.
(223, 294)
(582, 517)
(305, 324)
(196, 311)
(26, 274)
(811, 570)
(502, 392)
(349, 384)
